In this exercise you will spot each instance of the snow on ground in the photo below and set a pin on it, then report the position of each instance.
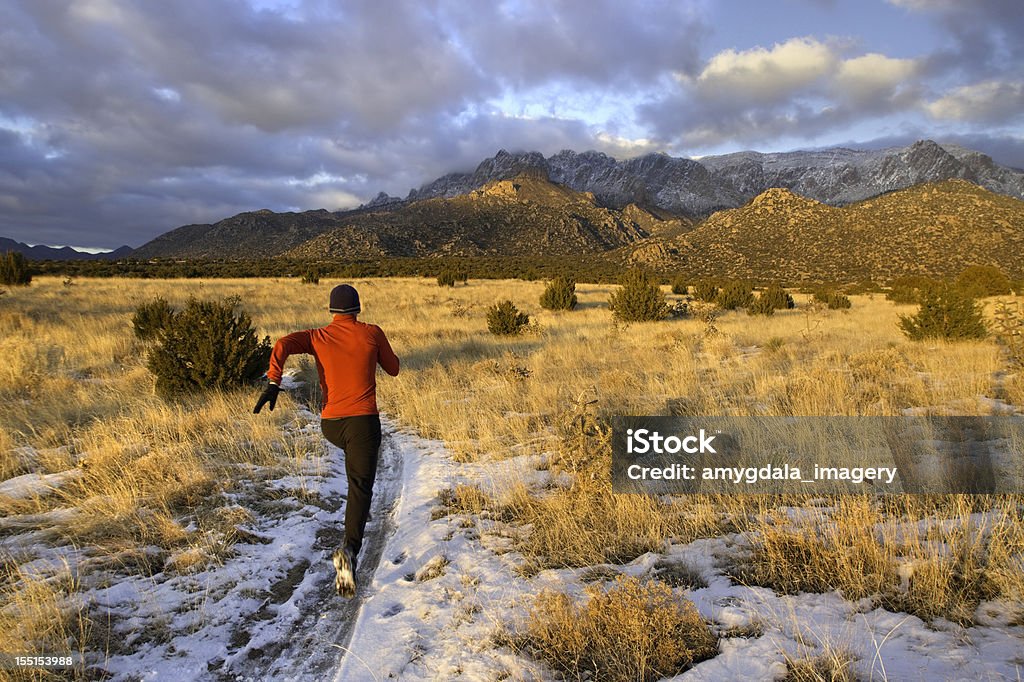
(197, 625)
(31, 485)
(441, 594)
(435, 592)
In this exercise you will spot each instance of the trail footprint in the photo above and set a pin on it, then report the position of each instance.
(399, 559)
(392, 610)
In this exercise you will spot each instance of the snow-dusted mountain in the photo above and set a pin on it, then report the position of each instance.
(697, 188)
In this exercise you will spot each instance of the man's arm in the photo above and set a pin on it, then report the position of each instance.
(299, 342)
(385, 356)
(292, 344)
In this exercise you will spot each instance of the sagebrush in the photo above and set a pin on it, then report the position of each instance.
(152, 318)
(638, 299)
(777, 297)
(735, 295)
(980, 281)
(207, 345)
(560, 294)
(14, 269)
(945, 313)
(505, 319)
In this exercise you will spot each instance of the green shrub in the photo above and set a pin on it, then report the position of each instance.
(638, 299)
(907, 290)
(945, 313)
(151, 319)
(504, 319)
(705, 291)
(446, 278)
(680, 287)
(833, 299)
(735, 295)
(208, 346)
(450, 275)
(14, 269)
(777, 297)
(560, 294)
(761, 306)
(311, 276)
(980, 281)
(1008, 327)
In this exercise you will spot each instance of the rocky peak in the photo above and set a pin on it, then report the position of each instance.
(383, 199)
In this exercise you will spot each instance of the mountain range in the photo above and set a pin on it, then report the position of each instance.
(60, 252)
(801, 214)
(933, 229)
(695, 188)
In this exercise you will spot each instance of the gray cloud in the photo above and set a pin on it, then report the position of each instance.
(121, 120)
(985, 36)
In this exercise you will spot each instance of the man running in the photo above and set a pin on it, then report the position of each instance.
(347, 353)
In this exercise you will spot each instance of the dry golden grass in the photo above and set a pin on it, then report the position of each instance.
(40, 616)
(632, 631)
(834, 665)
(928, 562)
(74, 393)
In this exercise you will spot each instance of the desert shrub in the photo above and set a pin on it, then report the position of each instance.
(761, 305)
(705, 291)
(980, 281)
(945, 313)
(833, 299)
(503, 319)
(208, 346)
(311, 276)
(446, 278)
(14, 269)
(864, 286)
(907, 290)
(152, 318)
(1008, 326)
(735, 295)
(680, 287)
(639, 298)
(838, 301)
(560, 294)
(777, 297)
(632, 631)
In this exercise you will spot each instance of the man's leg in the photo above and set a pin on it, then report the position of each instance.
(361, 450)
(360, 438)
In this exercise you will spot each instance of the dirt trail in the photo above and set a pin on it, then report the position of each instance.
(319, 638)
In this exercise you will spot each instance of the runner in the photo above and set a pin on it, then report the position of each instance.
(347, 353)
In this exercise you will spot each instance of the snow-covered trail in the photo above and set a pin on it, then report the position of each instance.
(315, 643)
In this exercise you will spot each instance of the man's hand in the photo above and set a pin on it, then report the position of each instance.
(269, 396)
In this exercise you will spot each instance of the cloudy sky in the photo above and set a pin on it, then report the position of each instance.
(121, 119)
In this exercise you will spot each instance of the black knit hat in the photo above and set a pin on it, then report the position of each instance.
(344, 300)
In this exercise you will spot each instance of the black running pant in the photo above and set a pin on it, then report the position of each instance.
(359, 437)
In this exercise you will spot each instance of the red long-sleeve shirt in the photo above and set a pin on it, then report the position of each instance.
(347, 353)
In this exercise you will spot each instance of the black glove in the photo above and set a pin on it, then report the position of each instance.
(269, 396)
